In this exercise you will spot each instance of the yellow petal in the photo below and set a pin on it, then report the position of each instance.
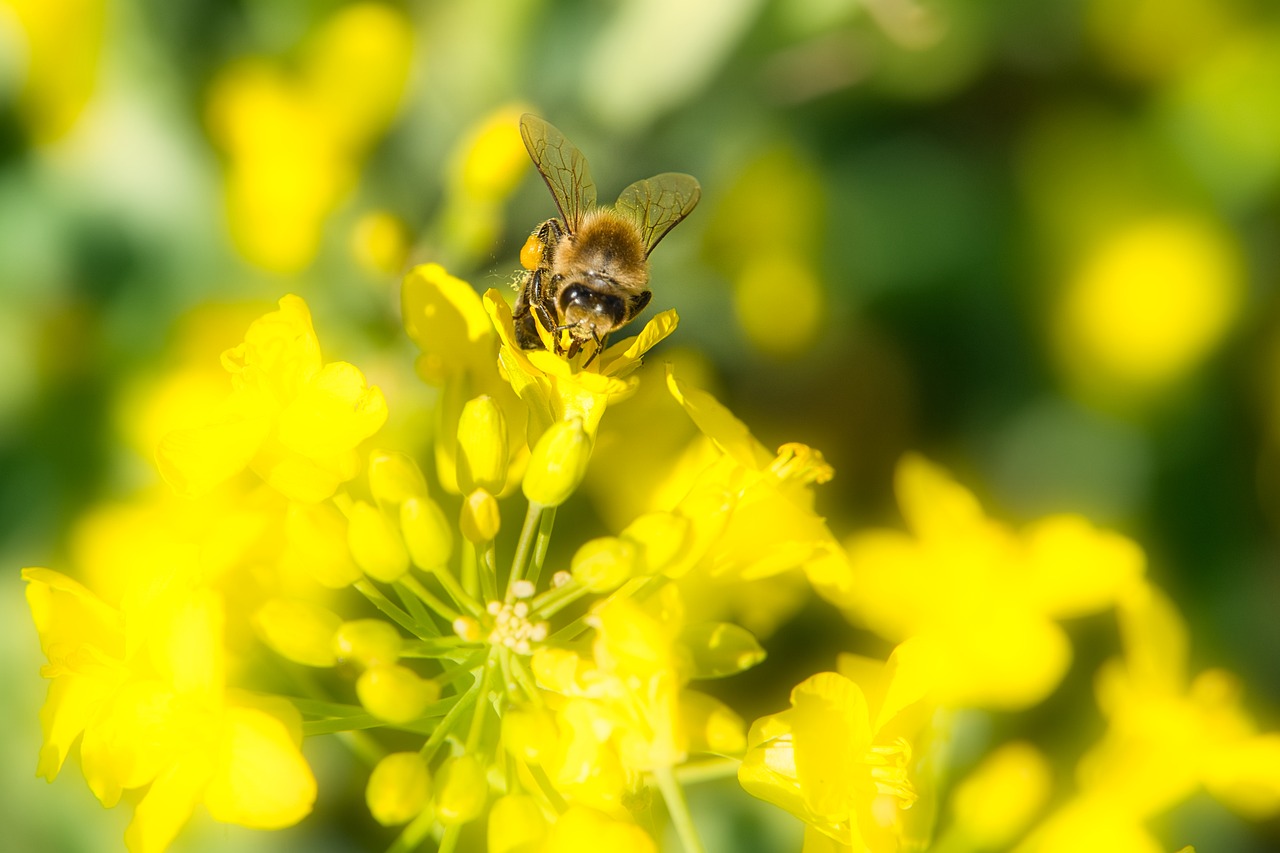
(831, 732)
(261, 781)
(718, 423)
(997, 801)
(331, 413)
(167, 805)
(584, 830)
(934, 505)
(195, 461)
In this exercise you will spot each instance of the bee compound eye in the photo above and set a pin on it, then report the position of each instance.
(584, 299)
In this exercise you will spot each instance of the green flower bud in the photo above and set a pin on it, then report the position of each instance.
(557, 463)
(399, 788)
(481, 517)
(427, 532)
(482, 446)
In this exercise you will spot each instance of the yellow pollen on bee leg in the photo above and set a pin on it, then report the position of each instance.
(531, 252)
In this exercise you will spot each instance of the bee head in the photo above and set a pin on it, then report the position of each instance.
(591, 312)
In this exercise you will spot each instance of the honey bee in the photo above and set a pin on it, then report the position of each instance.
(588, 271)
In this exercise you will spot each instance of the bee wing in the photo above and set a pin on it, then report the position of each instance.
(562, 166)
(659, 203)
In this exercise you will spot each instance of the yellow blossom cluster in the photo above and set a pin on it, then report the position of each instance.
(506, 698)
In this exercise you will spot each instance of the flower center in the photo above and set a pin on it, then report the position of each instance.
(513, 628)
(888, 767)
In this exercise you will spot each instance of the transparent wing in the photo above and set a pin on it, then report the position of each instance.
(562, 166)
(659, 203)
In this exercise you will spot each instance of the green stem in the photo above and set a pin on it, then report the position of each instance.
(540, 547)
(460, 596)
(386, 605)
(524, 546)
(470, 581)
(427, 597)
(412, 836)
(673, 794)
(489, 571)
(708, 770)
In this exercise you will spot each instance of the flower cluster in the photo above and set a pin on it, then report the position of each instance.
(513, 696)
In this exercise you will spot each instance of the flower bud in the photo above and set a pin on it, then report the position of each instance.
(298, 630)
(399, 788)
(395, 693)
(604, 564)
(368, 642)
(529, 734)
(462, 790)
(660, 538)
(557, 463)
(375, 543)
(516, 823)
(427, 532)
(394, 478)
(481, 518)
(482, 446)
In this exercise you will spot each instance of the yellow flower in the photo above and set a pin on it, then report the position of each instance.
(62, 51)
(627, 709)
(1169, 734)
(558, 389)
(292, 419)
(840, 757)
(449, 323)
(1148, 306)
(162, 718)
(294, 141)
(977, 601)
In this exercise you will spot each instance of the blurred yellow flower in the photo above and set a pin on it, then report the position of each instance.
(295, 141)
(1148, 306)
(63, 48)
(159, 715)
(1168, 734)
(840, 757)
(975, 602)
(291, 418)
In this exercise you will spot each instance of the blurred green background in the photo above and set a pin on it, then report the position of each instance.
(1035, 241)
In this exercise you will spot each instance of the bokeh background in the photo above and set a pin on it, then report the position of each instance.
(1038, 242)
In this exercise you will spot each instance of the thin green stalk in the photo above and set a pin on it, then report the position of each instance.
(524, 546)
(489, 571)
(540, 547)
(708, 770)
(428, 597)
(386, 605)
(678, 808)
(460, 596)
(470, 578)
(411, 838)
